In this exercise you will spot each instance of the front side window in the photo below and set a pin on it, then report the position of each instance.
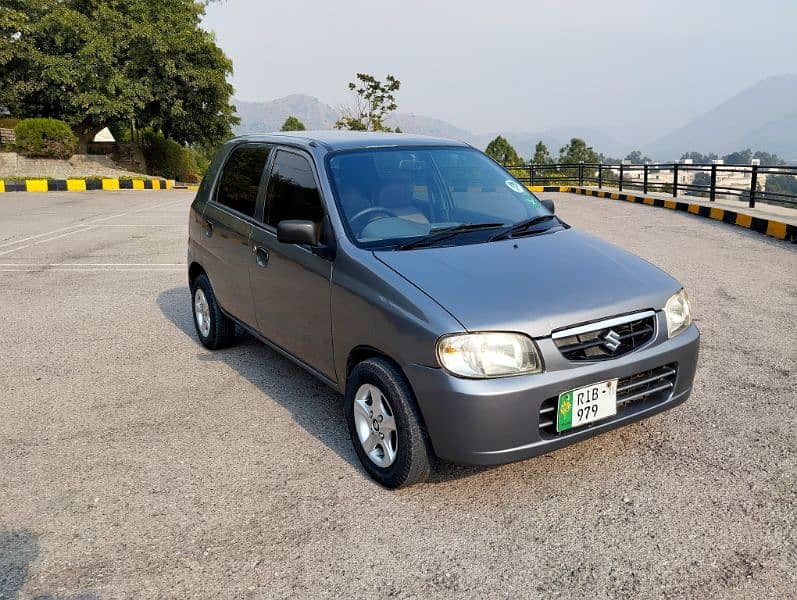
(390, 196)
(292, 191)
(240, 180)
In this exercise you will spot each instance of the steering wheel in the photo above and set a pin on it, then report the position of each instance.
(365, 214)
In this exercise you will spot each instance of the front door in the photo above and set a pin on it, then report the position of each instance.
(228, 219)
(291, 283)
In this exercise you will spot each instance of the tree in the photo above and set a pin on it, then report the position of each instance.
(503, 152)
(608, 160)
(769, 160)
(94, 63)
(702, 178)
(541, 154)
(577, 151)
(743, 157)
(292, 124)
(373, 102)
(782, 184)
(699, 159)
(636, 158)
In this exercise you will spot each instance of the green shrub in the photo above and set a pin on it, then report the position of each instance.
(169, 159)
(45, 138)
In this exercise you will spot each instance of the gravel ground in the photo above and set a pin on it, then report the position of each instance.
(136, 464)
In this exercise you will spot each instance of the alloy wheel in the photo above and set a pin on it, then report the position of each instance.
(375, 425)
(202, 312)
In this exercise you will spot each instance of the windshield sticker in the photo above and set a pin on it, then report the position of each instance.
(514, 186)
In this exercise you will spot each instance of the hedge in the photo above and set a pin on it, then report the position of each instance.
(45, 138)
(169, 159)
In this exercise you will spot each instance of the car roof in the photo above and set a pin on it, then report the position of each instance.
(340, 140)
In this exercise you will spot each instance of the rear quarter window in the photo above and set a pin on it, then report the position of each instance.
(240, 179)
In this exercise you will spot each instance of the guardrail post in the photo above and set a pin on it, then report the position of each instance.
(712, 193)
(645, 179)
(600, 175)
(531, 174)
(675, 180)
(581, 173)
(621, 177)
(753, 185)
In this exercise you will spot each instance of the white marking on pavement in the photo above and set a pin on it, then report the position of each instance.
(96, 269)
(85, 223)
(33, 237)
(52, 239)
(76, 264)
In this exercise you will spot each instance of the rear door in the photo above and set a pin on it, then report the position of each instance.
(228, 219)
(291, 283)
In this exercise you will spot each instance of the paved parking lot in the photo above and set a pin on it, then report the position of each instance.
(134, 463)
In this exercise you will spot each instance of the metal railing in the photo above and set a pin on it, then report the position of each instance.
(750, 183)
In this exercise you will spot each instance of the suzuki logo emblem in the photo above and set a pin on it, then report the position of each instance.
(611, 340)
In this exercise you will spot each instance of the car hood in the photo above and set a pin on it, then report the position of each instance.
(534, 284)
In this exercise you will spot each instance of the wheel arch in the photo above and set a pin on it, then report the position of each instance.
(195, 270)
(362, 353)
(359, 354)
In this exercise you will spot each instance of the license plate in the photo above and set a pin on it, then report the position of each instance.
(586, 404)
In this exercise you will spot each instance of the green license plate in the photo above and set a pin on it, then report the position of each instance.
(586, 404)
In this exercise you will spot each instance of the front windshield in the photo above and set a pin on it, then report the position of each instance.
(391, 196)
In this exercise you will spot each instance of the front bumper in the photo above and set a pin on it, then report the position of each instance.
(495, 421)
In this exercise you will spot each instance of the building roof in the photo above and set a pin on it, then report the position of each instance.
(339, 140)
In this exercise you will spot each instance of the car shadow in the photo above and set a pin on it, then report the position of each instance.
(18, 549)
(313, 406)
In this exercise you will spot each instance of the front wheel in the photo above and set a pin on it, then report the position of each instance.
(385, 425)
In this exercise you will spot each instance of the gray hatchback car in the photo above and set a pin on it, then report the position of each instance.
(460, 318)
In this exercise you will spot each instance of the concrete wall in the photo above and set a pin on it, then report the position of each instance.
(80, 165)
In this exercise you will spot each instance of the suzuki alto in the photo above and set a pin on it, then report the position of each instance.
(459, 317)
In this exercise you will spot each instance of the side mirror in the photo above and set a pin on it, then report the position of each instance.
(298, 232)
(549, 205)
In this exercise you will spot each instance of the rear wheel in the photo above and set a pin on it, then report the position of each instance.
(214, 328)
(385, 425)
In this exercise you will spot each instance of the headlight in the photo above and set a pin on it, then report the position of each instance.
(678, 313)
(483, 355)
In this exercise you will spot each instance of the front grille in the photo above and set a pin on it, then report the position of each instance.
(608, 341)
(652, 386)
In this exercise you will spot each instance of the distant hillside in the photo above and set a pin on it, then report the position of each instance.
(412, 123)
(269, 116)
(315, 114)
(761, 117)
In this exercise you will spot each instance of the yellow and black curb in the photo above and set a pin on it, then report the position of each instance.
(83, 185)
(770, 227)
(550, 188)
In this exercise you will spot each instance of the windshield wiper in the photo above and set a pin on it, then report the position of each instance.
(446, 233)
(521, 226)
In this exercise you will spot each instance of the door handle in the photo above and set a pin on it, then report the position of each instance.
(208, 228)
(261, 256)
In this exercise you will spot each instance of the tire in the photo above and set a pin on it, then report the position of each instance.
(214, 328)
(403, 455)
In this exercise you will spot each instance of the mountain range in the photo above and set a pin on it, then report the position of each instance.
(761, 117)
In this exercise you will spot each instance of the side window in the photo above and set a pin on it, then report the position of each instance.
(240, 179)
(292, 192)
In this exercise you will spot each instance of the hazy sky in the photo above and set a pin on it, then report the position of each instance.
(634, 69)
